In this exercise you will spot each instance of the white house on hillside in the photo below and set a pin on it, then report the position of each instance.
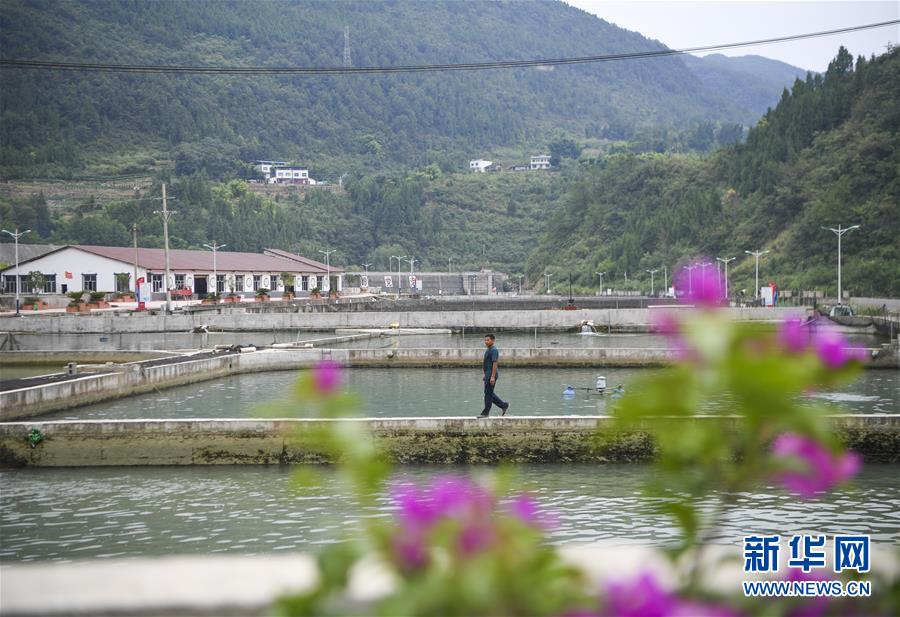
(541, 161)
(479, 165)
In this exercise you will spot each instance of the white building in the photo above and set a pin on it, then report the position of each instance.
(112, 268)
(290, 175)
(541, 161)
(265, 168)
(479, 165)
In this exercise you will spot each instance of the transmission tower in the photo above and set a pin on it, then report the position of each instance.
(347, 46)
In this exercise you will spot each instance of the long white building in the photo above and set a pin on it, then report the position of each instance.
(112, 269)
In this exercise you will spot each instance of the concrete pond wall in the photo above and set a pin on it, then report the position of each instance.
(241, 319)
(448, 440)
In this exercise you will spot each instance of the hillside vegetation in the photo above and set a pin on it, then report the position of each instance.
(827, 154)
(65, 123)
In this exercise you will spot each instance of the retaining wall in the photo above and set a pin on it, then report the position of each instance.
(519, 439)
(239, 319)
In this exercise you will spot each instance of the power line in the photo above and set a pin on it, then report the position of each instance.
(420, 68)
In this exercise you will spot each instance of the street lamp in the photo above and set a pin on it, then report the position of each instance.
(16, 235)
(757, 254)
(449, 265)
(666, 280)
(215, 247)
(652, 272)
(548, 275)
(839, 232)
(390, 265)
(690, 270)
(366, 266)
(412, 261)
(600, 274)
(726, 260)
(327, 254)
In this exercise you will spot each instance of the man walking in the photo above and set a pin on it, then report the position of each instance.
(491, 374)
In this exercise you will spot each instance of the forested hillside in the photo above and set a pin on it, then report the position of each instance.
(64, 124)
(761, 80)
(477, 220)
(829, 153)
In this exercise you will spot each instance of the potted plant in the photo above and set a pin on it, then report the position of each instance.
(77, 304)
(98, 300)
(315, 292)
(210, 298)
(33, 303)
(232, 297)
(333, 294)
(262, 294)
(123, 280)
(288, 280)
(36, 282)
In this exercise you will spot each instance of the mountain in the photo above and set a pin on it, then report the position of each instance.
(753, 82)
(65, 123)
(827, 154)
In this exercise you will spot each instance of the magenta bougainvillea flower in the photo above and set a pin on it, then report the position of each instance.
(699, 284)
(821, 468)
(833, 348)
(327, 376)
(793, 335)
(526, 510)
(645, 597)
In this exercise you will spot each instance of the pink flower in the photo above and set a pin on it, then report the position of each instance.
(525, 509)
(475, 538)
(822, 468)
(410, 552)
(645, 597)
(699, 284)
(831, 347)
(793, 335)
(327, 376)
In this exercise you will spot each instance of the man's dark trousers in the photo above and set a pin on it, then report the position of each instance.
(490, 398)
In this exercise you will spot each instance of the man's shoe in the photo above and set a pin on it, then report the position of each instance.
(503, 413)
(482, 415)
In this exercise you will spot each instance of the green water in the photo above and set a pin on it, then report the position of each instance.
(64, 514)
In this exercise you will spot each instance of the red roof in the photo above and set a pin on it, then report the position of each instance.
(301, 259)
(227, 261)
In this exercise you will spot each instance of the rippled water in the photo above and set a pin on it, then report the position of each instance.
(433, 392)
(112, 512)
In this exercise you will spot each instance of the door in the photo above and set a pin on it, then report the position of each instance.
(200, 285)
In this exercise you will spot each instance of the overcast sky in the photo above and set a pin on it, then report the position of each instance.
(690, 24)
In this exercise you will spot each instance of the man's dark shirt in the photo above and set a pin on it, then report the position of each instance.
(491, 355)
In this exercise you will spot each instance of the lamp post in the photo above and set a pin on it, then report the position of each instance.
(449, 265)
(412, 261)
(327, 253)
(839, 232)
(399, 258)
(214, 248)
(366, 266)
(726, 260)
(652, 272)
(548, 275)
(16, 235)
(666, 280)
(521, 276)
(757, 254)
(690, 270)
(600, 274)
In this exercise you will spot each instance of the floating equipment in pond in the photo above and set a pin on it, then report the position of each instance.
(569, 392)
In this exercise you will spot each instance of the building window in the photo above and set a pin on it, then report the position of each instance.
(220, 283)
(9, 284)
(49, 283)
(89, 282)
(238, 283)
(256, 281)
(156, 280)
(304, 283)
(179, 281)
(273, 280)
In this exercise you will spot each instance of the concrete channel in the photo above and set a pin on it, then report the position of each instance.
(447, 440)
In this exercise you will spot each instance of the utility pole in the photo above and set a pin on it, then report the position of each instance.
(214, 247)
(600, 274)
(134, 235)
(16, 235)
(839, 232)
(398, 258)
(652, 272)
(327, 254)
(757, 254)
(726, 260)
(166, 215)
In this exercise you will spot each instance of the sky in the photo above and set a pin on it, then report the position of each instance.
(680, 24)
